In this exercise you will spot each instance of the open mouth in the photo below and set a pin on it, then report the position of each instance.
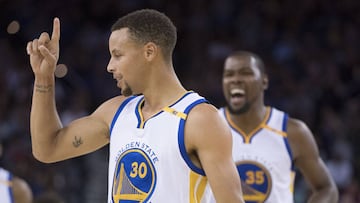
(237, 95)
(237, 92)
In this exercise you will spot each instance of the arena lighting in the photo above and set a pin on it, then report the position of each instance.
(61, 70)
(13, 27)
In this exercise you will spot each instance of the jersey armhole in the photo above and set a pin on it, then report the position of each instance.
(287, 144)
(10, 188)
(181, 139)
(121, 107)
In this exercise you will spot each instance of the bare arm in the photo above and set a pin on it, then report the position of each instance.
(310, 164)
(21, 190)
(51, 141)
(208, 135)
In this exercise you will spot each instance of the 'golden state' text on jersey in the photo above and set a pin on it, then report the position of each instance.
(263, 159)
(6, 194)
(148, 160)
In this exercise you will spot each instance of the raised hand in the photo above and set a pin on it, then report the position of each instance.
(44, 52)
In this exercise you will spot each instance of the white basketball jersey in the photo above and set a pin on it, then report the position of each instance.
(263, 159)
(6, 195)
(148, 160)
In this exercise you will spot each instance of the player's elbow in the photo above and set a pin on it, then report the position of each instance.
(334, 194)
(328, 194)
(42, 157)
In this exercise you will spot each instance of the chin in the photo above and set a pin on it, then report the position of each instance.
(239, 110)
(127, 92)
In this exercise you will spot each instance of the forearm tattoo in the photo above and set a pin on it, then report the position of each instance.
(43, 88)
(77, 142)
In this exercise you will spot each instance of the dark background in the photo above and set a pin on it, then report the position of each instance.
(310, 49)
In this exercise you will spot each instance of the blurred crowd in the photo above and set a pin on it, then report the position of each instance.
(310, 49)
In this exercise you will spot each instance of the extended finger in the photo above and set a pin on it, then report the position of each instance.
(43, 39)
(56, 30)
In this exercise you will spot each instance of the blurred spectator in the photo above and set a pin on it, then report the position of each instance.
(340, 165)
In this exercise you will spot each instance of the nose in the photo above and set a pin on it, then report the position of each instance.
(236, 78)
(109, 67)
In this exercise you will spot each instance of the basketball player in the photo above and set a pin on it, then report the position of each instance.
(267, 144)
(13, 189)
(163, 138)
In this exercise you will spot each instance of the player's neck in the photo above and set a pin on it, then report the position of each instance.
(251, 119)
(164, 91)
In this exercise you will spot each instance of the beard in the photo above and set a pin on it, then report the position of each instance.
(245, 108)
(126, 91)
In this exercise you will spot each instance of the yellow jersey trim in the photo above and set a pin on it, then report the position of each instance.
(197, 187)
(175, 113)
(6, 182)
(166, 109)
(262, 125)
(247, 137)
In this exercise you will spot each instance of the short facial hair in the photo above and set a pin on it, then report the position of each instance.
(126, 91)
(240, 111)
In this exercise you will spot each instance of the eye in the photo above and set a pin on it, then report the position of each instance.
(117, 56)
(228, 74)
(247, 73)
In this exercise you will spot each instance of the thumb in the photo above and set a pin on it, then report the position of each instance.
(47, 55)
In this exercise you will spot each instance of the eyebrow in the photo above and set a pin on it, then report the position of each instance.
(115, 51)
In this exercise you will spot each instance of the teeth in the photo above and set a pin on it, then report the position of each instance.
(237, 91)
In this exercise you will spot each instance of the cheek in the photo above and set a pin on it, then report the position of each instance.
(225, 82)
(255, 88)
(225, 89)
(125, 66)
(133, 70)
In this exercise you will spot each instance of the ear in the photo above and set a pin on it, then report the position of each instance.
(150, 51)
(265, 82)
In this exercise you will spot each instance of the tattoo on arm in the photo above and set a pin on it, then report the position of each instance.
(77, 142)
(43, 88)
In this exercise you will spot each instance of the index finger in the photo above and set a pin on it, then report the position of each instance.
(56, 30)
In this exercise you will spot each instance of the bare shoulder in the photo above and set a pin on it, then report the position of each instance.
(202, 111)
(107, 110)
(205, 125)
(205, 115)
(301, 139)
(298, 129)
(21, 190)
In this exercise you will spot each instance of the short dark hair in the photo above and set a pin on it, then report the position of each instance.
(148, 25)
(259, 61)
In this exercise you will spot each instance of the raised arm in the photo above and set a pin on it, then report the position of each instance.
(310, 164)
(51, 141)
(210, 138)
